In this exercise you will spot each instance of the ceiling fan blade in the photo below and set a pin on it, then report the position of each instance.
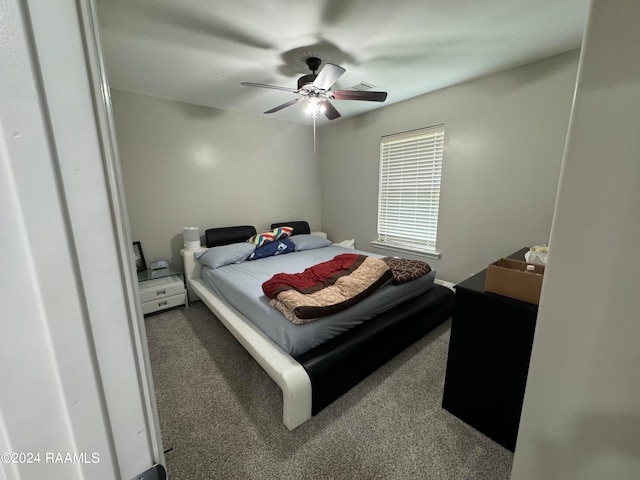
(329, 110)
(328, 76)
(359, 95)
(284, 105)
(274, 87)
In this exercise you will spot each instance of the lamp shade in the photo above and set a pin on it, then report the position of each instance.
(191, 237)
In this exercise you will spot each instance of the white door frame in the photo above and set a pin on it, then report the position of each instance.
(75, 377)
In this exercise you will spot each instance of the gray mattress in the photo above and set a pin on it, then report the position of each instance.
(241, 286)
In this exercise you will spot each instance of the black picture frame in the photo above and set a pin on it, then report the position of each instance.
(138, 255)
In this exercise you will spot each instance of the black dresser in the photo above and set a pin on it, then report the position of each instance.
(489, 352)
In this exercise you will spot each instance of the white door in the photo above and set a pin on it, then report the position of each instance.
(76, 397)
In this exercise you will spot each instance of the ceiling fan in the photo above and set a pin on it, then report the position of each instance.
(316, 89)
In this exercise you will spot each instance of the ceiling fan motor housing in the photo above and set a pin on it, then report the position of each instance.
(306, 79)
(313, 63)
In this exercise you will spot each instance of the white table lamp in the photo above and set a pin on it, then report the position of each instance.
(191, 238)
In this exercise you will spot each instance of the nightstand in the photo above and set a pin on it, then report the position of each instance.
(161, 289)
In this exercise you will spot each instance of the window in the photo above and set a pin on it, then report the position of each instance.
(409, 195)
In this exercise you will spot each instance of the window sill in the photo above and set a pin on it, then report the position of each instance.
(423, 253)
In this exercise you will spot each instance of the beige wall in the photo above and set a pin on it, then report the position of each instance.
(505, 136)
(185, 165)
(581, 415)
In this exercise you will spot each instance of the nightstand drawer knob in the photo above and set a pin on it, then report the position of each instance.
(161, 292)
(162, 304)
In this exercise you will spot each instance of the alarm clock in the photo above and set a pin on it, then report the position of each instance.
(158, 264)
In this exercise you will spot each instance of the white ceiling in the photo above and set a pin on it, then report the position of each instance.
(198, 51)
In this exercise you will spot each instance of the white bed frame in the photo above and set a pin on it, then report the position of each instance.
(285, 371)
(288, 374)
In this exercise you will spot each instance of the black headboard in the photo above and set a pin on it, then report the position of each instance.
(299, 227)
(214, 237)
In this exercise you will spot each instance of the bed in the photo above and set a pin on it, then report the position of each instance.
(314, 369)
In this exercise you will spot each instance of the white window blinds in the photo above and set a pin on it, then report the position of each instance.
(409, 195)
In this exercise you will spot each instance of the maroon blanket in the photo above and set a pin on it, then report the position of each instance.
(313, 278)
(327, 287)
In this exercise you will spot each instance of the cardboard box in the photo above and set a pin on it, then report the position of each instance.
(510, 278)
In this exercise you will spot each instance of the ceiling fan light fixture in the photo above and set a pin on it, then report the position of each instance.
(314, 107)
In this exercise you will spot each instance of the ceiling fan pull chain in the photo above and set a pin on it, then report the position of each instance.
(314, 137)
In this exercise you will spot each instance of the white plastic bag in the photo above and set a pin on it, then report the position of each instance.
(347, 243)
(537, 254)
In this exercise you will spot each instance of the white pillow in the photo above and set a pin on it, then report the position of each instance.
(216, 257)
(309, 242)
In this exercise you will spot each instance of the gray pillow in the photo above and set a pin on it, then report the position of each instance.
(217, 257)
(309, 242)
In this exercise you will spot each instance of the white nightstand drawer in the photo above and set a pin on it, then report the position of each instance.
(158, 288)
(161, 304)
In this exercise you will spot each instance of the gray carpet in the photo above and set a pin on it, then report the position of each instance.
(221, 415)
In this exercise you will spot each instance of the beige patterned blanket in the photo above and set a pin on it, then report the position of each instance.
(326, 288)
